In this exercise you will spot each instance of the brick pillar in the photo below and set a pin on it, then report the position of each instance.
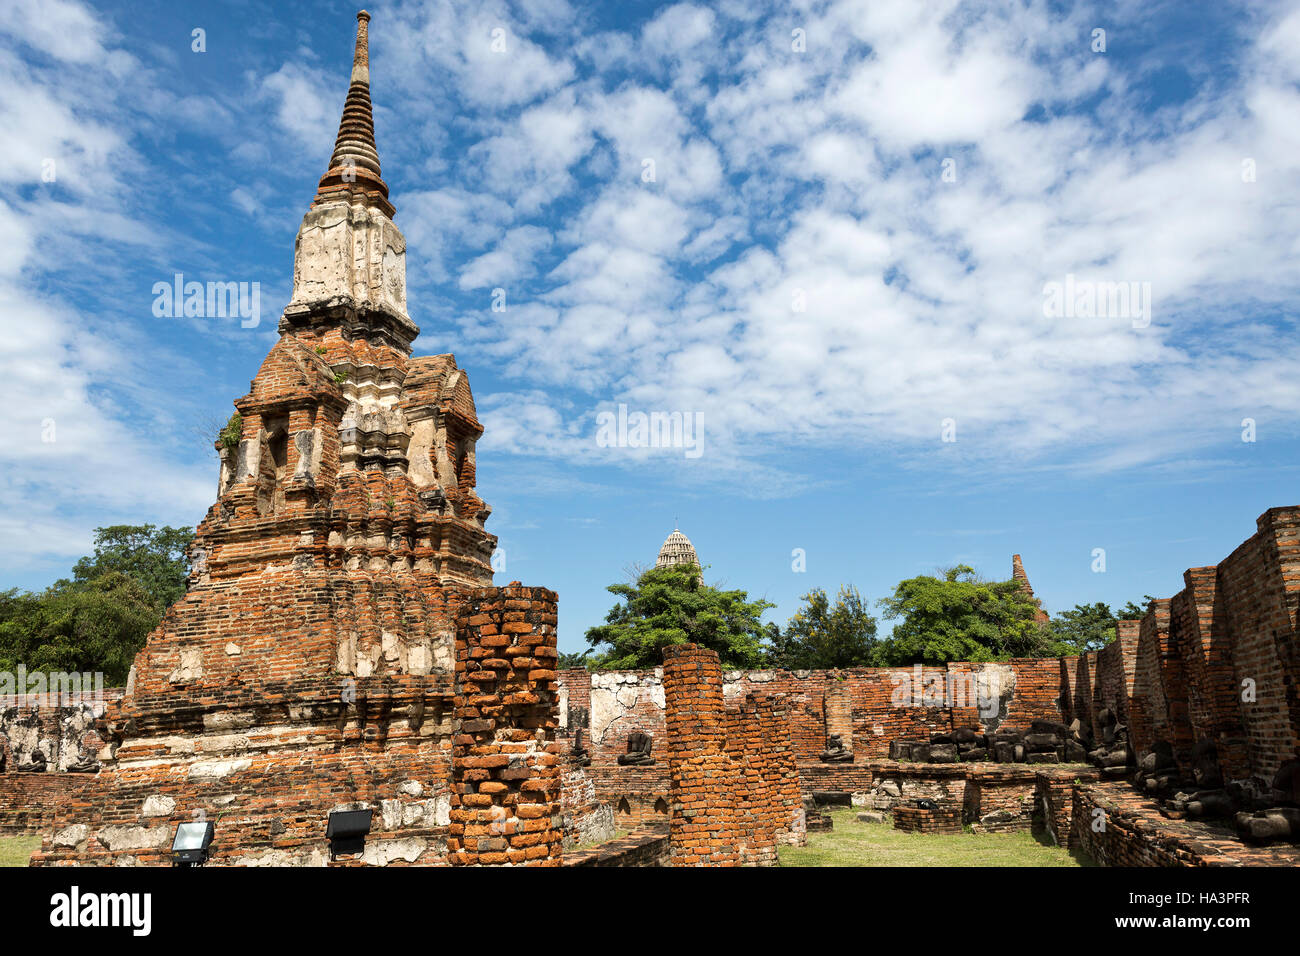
(505, 802)
(1125, 666)
(787, 796)
(701, 795)
(1149, 717)
(756, 818)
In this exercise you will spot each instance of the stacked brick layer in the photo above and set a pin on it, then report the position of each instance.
(506, 763)
(923, 820)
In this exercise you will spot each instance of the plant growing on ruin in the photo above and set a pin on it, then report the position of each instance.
(232, 431)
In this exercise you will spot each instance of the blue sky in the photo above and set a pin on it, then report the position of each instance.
(800, 272)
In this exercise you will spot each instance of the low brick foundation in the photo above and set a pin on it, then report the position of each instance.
(919, 820)
(647, 846)
(28, 801)
(1117, 826)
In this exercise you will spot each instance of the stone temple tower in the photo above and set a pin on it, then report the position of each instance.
(320, 656)
(677, 549)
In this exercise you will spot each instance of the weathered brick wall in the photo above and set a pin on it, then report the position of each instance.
(1117, 826)
(838, 704)
(506, 763)
(1148, 709)
(1258, 598)
(609, 706)
(787, 796)
(29, 801)
(1220, 661)
(267, 763)
(587, 818)
(65, 729)
(1114, 675)
(1054, 802)
(702, 802)
(918, 820)
(648, 846)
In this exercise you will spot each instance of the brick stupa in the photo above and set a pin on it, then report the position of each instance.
(340, 645)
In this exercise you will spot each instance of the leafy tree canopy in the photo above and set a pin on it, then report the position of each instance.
(98, 620)
(94, 626)
(157, 558)
(1134, 612)
(1086, 627)
(672, 605)
(961, 617)
(822, 635)
(1090, 627)
(572, 660)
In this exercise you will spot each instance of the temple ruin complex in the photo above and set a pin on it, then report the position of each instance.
(342, 647)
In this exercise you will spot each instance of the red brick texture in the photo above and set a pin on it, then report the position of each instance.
(29, 801)
(506, 765)
(1220, 661)
(1116, 826)
(734, 792)
(702, 797)
(918, 820)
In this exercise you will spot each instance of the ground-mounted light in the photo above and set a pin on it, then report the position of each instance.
(347, 831)
(190, 845)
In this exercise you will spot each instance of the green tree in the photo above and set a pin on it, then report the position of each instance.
(572, 660)
(98, 625)
(98, 620)
(157, 558)
(1086, 627)
(673, 605)
(961, 617)
(1134, 612)
(822, 636)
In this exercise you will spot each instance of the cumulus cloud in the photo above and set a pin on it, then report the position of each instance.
(889, 205)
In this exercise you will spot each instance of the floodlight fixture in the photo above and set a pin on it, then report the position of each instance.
(347, 831)
(191, 843)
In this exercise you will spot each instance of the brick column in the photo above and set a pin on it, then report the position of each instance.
(505, 803)
(787, 794)
(755, 819)
(701, 797)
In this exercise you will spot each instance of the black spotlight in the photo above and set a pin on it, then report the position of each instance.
(190, 846)
(347, 831)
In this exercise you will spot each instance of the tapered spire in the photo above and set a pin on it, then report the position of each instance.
(354, 168)
(1018, 574)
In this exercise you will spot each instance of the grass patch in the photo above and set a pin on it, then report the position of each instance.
(14, 850)
(618, 835)
(852, 843)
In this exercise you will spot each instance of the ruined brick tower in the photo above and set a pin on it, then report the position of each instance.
(1018, 574)
(314, 662)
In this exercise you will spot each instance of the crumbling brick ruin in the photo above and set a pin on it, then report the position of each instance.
(341, 647)
(505, 762)
(1195, 705)
(734, 790)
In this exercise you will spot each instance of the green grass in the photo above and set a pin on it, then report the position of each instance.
(618, 835)
(14, 850)
(852, 843)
